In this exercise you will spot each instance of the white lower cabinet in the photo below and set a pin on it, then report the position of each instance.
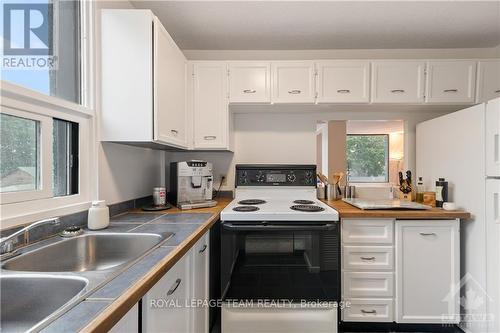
(129, 323)
(428, 271)
(370, 310)
(171, 305)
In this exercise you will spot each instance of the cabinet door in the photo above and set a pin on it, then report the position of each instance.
(451, 81)
(129, 323)
(488, 80)
(398, 81)
(211, 115)
(493, 248)
(343, 81)
(249, 82)
(428, 271)
(493, 138)
(164, 306)
(169, 90)
(200, 277)
(293, 82)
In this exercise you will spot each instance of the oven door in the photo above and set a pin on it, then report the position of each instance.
(280, 260)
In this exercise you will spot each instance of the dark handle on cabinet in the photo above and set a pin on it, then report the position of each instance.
(368, 258)
(174, 131)
(428, 234)
(497, 91)
(210, 137)
(369, 311)
(450, 90)
(174, 287)
(203, 248)
(249, 91)
(294, 91)
(344, 91)
(267, 227)
(395, 91)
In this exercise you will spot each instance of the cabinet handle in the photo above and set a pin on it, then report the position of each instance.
(450, 90)
(203, 248)
(495, 208)
(175, 132)
(428, 234)
(209, 137)
(497, 91)
(344, 91)
(249, 91)
(368, 258)
(496, 147)
(174, 287)
(369, 311)
(397, 91)
(294, 91)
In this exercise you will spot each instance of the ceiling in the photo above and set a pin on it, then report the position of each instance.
(303, 25)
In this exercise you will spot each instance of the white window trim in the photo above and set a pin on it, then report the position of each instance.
(36, 104)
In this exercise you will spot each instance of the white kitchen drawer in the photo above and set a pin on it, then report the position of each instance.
(368, 257)
(369, 310)
(368, 284)
(367, 231)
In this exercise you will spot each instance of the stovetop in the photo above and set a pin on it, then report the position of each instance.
(278, 206)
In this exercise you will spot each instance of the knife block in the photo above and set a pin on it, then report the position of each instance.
(405, 196)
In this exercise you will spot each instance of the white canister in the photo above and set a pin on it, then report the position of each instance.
(98, 215)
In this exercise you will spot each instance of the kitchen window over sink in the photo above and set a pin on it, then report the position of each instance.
(368, 158)
(47, 111)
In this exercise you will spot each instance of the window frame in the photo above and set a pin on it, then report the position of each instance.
(387, 154)
(31, 104)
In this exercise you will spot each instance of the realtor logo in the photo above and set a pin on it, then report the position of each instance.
(28, 36)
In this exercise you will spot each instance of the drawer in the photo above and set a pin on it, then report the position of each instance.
(367, 231)
(369, 310)
(368, 257)
(368, 284)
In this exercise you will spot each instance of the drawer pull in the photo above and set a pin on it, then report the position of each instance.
(175, 132)
(368, 258)
(428, 233)
(397, 91)
(369, 311)
(344, 91)
(450, 90)
(174, 287)
(294, 91)
(249, 91)
(210, 137)
(497, 91)
(203, 248)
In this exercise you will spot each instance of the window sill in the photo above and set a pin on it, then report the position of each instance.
(26, 95)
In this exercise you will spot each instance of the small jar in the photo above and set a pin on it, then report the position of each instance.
(98, 215)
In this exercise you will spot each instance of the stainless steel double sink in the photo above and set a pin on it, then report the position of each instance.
(41, 284)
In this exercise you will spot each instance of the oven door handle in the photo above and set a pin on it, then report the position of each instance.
(269, 227)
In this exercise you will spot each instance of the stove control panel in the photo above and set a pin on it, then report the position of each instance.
(275, 175)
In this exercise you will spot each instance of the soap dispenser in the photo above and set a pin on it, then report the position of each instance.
(98, 215)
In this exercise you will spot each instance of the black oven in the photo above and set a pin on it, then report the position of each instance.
(273, 260)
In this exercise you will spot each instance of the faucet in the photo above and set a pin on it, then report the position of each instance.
(7, 243)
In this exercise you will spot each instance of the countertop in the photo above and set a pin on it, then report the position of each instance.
(102, 309)
(347, 211)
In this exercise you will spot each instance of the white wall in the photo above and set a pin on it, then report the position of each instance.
(124, 172)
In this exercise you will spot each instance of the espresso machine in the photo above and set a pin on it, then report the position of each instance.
(191, 184)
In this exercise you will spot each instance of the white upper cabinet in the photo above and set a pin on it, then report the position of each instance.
(493, 138)
(210, 106)
(451, 81)
(169, 89)
(143, 81)
(343, 81)
(398, 81)
(293, 82)
(488, 80)
(249, 82)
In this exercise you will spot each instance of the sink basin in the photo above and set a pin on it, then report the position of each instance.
(27, 300)
(89, 252)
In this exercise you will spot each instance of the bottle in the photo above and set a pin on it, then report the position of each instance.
(420, 190)
(441, 192)
(98, 217)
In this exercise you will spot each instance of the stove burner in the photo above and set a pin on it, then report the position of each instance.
(307, 208)
(303, 202)
(252, 202)
(245, 209)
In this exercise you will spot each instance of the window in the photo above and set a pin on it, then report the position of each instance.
(65, 158)
(41, 46)
(368, 158)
